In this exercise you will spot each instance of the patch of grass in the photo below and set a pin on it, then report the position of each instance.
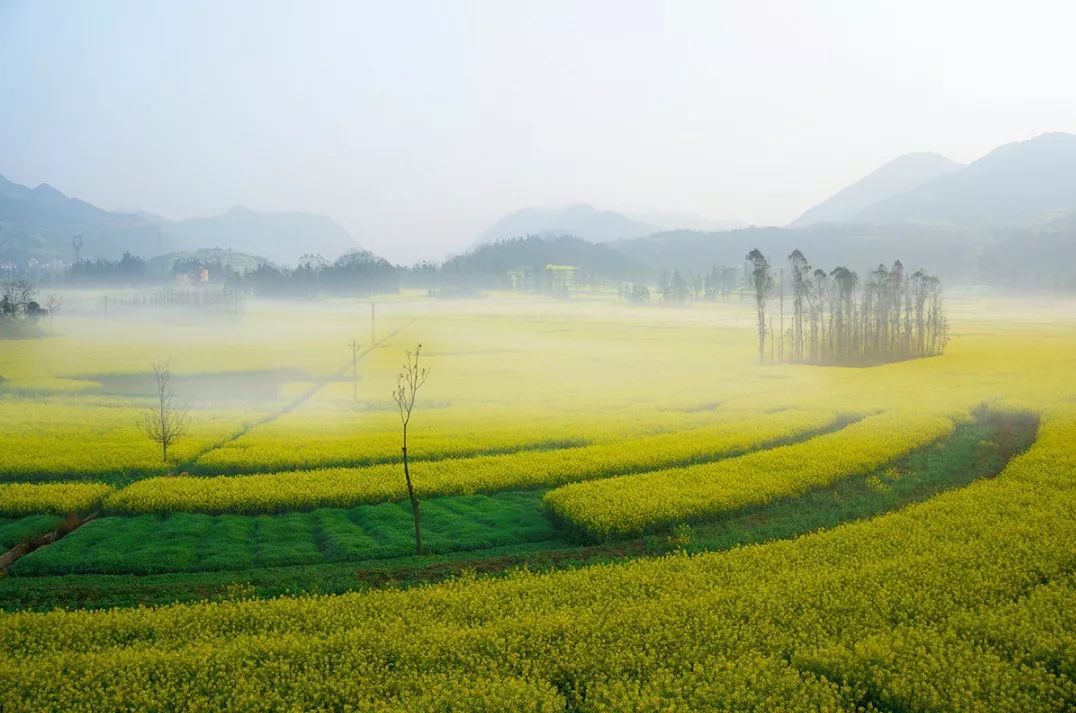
(182, 542)
(120, 590)
(16, 530)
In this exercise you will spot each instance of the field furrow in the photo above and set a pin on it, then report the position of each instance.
(278, 492)
(637, 503)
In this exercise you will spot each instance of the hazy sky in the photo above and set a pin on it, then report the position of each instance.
(416, 125)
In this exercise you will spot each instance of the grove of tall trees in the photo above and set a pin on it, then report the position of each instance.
(839, 319)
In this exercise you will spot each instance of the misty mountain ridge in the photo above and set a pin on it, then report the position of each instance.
(900, 175)
(686, 221)
(45, 205)
(280, 236)
(1020, 182)
(40, 222)
(593, 224)
(859, 247)
(581, 220)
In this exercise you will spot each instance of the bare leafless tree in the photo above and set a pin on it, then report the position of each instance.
(15, 295)
(408, 382)
(166, 421)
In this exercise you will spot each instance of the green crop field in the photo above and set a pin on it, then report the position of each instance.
(620, 509)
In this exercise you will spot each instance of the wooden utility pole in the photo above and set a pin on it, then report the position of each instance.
(355, 370)
(373, 321)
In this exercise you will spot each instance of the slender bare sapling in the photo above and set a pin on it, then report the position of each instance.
(166, 420)
(408, 382)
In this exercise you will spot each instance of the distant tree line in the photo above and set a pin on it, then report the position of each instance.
(545, 265)
(678, 287)
(837, 319)
(533, 263)
(356, 273)
(128, 270)
(635, 293)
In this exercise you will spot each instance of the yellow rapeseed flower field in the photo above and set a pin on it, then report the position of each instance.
(885, 610)
(277, 492)
(639, 420)
(18, 499)
(620, 506)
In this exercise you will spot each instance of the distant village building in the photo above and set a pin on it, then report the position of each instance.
(551, 279)
(197, 276)
(561, 278)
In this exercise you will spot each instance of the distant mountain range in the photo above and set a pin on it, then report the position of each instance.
(279, 236)
(593, 225)
(902, 174)
(1024, 182)
(686, 221)
(1027, 181)
(580, 220)
(859, 247)
(1008, 218)
(41, 222)
(922, 208)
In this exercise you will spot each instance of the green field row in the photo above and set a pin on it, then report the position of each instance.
(181, 542)
(20, 529)
(633, 504)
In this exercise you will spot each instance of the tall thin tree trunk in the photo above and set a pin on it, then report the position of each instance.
(781, 286)
(414, 504)
(761, 316)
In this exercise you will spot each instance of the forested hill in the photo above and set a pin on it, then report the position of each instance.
(536, 252)
(1028, 256)
(939, 249)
